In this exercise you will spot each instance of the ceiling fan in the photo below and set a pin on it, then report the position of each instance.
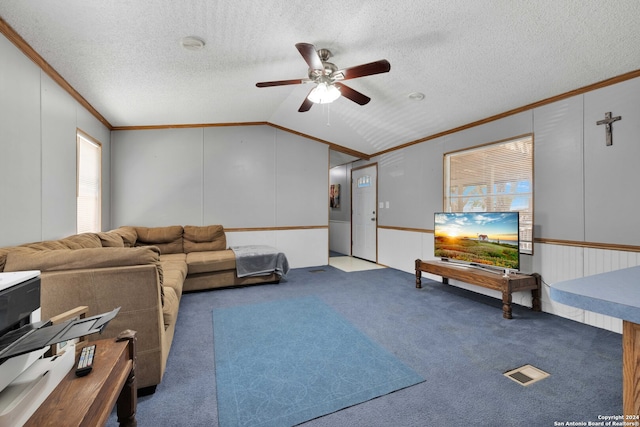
(328, 77)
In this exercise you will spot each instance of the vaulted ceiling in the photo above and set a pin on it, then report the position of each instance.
(471, 59)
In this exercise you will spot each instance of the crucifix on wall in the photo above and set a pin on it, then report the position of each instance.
(608, 125)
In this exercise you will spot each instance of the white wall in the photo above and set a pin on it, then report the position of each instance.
(240, 172)
(612, 173)
(584, 192)
(38, 122)
(157, 177)
(20, 161)
(243, 177)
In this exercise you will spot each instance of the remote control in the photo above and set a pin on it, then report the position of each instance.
(86, 360)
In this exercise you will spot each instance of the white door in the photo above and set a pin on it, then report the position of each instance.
(364, 217)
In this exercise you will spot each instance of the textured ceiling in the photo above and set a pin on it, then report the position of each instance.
(471, 59)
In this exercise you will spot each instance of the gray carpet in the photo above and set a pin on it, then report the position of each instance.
(457, 340)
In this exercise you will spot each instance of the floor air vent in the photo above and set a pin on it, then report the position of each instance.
(526, 375)
(318, 270)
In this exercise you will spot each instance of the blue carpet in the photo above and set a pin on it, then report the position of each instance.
(284, 362)
(456, 339)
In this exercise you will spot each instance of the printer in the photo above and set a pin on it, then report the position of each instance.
(27, 375)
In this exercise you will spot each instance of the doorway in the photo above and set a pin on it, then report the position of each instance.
(364, 212)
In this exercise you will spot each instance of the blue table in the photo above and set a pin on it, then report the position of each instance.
(616, 294)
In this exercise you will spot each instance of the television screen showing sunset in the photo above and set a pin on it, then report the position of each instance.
(489, 238)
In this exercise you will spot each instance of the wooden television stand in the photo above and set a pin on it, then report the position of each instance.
(486, 279)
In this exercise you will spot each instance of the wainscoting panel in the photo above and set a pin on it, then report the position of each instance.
(556, 263)
(601, 261)
(399, 249)
(604, 260)
(304, 247)
(340, 237)
(427, 246)
(294, 243)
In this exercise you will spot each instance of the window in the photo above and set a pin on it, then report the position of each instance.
(364, 181)
(496, 177)
(88, 184)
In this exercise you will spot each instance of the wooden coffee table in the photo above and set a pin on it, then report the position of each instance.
(89, 400)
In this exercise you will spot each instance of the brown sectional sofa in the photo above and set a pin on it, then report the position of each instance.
(143, 270)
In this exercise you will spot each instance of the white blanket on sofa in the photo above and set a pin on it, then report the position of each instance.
(259, 260)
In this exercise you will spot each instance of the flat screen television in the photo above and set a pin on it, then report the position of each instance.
(482, 239)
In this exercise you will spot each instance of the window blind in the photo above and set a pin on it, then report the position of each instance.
(89, 160)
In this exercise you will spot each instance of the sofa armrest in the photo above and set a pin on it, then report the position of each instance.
(133, 288)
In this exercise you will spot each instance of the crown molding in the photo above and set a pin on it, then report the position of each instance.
(604, 83)
(21, 44)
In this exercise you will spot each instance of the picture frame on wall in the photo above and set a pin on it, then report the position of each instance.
(334, 196)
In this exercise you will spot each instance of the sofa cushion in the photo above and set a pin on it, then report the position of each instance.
(168, 239)
(174, 279)
(209, 261)
(110, 239)
(180, 258)
(170, 307)
(46, 245)
(128, 234)
(72, 259)
(3, 257)
(83, 240)
(204, 238)
(5, 251)
(174, 270)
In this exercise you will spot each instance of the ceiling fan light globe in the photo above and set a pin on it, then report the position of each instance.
(324, 94)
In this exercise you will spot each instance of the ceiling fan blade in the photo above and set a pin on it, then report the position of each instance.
(310, 55)
(307, 103)
(282, 82)
(352, 94)
(306, 106)
(377, 67)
